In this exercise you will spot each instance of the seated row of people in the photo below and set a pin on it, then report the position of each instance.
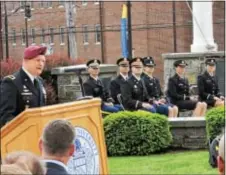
(140, 90)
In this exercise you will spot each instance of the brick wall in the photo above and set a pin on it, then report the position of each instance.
(152, 29)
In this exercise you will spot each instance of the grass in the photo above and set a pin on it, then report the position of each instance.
(187, 162)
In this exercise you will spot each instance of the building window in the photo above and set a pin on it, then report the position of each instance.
(61, 3)
(32, 36)
(49, 4)
(51, 35)
(14, 36)
(31, 3)
(43, 35)
(97, 33)
(22, 5)
(84, 2)
(96, 2)
(85, 34)
(13, 6)
(61, 35)
(41, 4)
(23, 37)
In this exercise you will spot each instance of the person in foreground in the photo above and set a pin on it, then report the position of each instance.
(178, 91)
(24, 89)
(221, 156)
(23, 162)
(57, 146)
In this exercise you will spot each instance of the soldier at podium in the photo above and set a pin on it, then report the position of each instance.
(208, 88)
(23, 89)
(94, 87)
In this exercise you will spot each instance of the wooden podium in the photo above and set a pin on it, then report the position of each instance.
(23, 133)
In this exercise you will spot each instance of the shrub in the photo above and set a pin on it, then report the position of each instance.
(136, 133)
(8, 67)
(215, 121)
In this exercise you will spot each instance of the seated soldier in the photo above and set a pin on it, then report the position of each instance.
(208, 86)
(178, 91)
(134, 93)
(94, 87)
(154, 90)
(116, 83)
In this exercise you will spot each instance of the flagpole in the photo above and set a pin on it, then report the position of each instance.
(129, 30)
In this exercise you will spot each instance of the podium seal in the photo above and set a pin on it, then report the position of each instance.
(86, 157)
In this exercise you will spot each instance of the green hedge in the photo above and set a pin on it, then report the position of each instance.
(136, 133)
(215, 122)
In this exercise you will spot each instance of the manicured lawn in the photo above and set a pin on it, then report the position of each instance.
(186, 162)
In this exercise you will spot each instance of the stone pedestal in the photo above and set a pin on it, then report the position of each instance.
(68, 83)
(188, 133)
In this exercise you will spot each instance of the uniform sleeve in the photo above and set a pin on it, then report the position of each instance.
(201, 89)
(106, 95)
(114, 89)
(217, 92)
(8, 100)
(160, 89)
(88, 89)
(126, 92)
(172, 90)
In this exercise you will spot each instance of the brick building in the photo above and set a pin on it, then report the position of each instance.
(157, 27)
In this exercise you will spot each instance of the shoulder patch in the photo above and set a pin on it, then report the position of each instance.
(12, 77)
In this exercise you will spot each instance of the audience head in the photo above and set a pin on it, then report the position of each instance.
(123, 65)
(57, 141)
(13, 169)
(27, 161)
(221, 156)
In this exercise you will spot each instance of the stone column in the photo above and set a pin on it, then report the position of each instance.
(202, 20)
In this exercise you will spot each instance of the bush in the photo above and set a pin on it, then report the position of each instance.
(136, 133)
(8, 67)
(215, 121)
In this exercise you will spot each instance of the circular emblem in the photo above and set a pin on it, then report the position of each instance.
(86, 157)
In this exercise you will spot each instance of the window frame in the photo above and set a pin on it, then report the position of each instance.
(23, 36)
(51, 34)
(13, 36)
(84, 3)
(33, 36)
(43, 35)
(62, 35)
(97, 32)
(85, 34)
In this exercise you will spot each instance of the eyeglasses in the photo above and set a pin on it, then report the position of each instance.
(137, 67)
(124, 65)
(95, 68)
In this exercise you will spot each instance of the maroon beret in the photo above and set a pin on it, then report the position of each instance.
(33, 51)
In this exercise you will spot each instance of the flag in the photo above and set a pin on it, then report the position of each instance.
(124, 45)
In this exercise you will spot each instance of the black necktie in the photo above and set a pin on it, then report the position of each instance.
(36, 83)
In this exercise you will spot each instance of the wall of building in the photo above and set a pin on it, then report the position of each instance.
(152, 29)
